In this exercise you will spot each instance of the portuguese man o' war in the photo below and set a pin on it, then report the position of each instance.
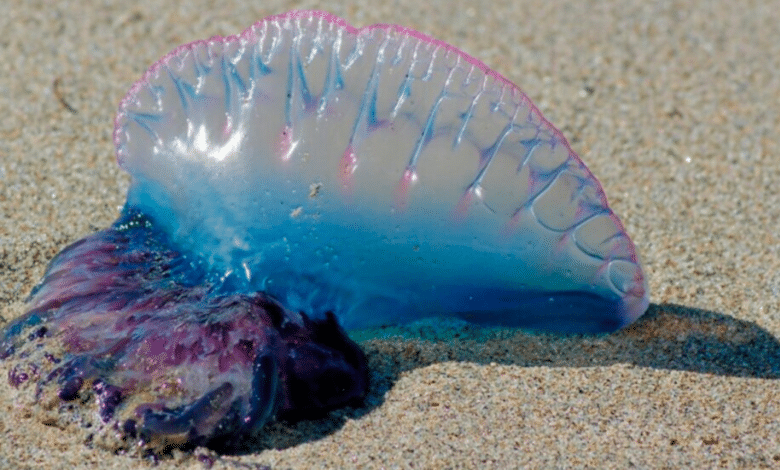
(292, 183)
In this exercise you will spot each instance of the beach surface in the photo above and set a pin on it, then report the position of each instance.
(673, 105)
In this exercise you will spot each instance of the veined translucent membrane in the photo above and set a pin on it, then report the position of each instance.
(374, 172)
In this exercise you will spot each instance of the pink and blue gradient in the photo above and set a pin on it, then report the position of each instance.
(304, 178)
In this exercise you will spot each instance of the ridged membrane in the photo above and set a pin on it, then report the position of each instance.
(377, 173)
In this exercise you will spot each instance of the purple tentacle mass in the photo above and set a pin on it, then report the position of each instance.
(122, 319)
(300, 179)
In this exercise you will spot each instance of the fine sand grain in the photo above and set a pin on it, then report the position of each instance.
(674, 106)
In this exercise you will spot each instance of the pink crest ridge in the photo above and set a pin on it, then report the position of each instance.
(269, 28)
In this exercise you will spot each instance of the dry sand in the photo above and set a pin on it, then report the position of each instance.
(673, 106)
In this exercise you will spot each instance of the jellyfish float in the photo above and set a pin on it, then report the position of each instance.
(292, 183)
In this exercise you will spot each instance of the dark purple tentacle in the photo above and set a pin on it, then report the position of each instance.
(124, 318)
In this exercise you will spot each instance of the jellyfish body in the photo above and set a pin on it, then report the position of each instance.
(304, 178)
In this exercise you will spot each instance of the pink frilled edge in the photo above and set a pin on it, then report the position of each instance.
(249, 34)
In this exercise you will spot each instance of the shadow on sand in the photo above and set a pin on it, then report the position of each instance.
(668, 336)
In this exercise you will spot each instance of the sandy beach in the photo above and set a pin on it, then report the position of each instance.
(675, 108)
